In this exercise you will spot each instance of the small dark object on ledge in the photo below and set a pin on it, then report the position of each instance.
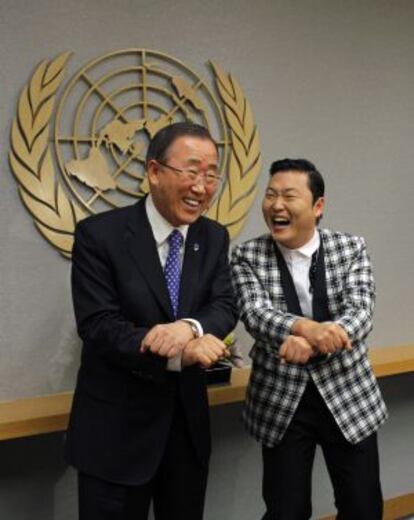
(218, 374)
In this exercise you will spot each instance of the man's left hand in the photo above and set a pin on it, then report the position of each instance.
(326, 337)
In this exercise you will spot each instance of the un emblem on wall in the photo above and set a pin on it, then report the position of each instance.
(96, 135)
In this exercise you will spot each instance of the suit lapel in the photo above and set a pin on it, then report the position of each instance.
(288, 286)
(194, 250)
(331, 276)
(320, 307)
(142, 247)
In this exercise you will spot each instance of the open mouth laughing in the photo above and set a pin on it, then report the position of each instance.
(191, 202)
(280, 222)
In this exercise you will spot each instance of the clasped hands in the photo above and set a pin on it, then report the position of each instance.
(170, 339)
(310, 338)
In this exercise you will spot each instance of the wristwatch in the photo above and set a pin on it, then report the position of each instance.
(194, 328)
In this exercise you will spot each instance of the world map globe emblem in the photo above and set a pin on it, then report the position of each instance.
(111, 109)
(83, 151)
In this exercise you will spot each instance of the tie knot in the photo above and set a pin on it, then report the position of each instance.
(175, 239)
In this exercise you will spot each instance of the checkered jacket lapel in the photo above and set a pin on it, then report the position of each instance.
(345, 380)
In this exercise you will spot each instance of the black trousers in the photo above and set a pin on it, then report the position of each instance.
(353, 468)
(177, 490)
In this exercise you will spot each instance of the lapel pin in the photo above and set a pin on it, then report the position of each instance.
(196, 247)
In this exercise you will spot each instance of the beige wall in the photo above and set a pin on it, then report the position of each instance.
(330, 80)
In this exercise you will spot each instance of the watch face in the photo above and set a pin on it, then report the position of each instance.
(195, 330)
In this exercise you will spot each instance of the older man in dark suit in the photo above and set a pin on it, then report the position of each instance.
(152, 296)
(307, 296)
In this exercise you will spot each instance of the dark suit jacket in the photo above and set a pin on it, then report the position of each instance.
(124, 400)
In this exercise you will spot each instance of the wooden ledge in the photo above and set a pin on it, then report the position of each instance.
(26, 417)
(50, 413)
(396, 507)
(391, 361)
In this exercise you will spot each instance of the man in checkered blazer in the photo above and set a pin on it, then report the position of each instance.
(307, 295)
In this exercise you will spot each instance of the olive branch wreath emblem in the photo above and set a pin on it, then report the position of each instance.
(55, 215)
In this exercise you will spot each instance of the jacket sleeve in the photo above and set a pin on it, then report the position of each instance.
(257, 310)
(101, 324)
(218, 313)
(358, 296)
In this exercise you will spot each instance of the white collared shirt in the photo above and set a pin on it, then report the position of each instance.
(161, 230)
(299, 262)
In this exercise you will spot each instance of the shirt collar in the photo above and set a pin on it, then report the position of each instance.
(306, 250)
(161, 228)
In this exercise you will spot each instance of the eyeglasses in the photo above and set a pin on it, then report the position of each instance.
(209, 177)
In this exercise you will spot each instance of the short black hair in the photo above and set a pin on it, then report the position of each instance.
(165, 137)
(315, 180)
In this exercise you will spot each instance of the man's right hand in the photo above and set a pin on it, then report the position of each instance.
(295, 350)
(204, 351)
(168, 339)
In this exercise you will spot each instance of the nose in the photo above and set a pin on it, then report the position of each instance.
(199, 185)
(278, 202)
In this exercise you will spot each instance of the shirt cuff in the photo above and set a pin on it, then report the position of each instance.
(174, 363)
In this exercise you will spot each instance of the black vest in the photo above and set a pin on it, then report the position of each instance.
(317, 276)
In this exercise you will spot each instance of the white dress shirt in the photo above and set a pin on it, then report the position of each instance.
(161, 230)
(299, 262)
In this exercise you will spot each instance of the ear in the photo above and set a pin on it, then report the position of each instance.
(153, 171)
(318, 207)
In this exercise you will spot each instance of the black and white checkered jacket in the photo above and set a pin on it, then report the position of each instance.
(345, 380)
